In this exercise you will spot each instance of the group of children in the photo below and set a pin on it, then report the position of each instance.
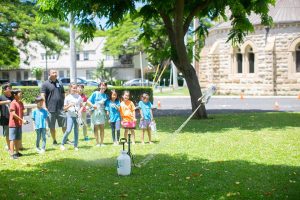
(101, 107)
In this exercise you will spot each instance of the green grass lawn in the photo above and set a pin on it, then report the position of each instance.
(233, 156)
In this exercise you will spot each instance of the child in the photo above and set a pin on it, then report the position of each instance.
(83, 113)
(97, 102)
(39, 117)
(5, 100)
(127, 111)
(146, 116)
(73, 107)
(113, 107)
(15, 123)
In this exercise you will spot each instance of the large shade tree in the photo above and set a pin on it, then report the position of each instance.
(176, 15)
(19, 24)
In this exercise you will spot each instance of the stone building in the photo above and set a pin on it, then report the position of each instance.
(266, 63)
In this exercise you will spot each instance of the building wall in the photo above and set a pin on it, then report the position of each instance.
(85, 67)
(273, 62)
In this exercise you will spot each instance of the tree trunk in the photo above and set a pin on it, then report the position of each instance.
(176, 31)
(183, 64)
(191, 78)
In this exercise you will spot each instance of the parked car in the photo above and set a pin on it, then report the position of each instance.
(138, 82)
(92, 83)
(66, 81)
(15, 84)
(30, 83)
(2, 81)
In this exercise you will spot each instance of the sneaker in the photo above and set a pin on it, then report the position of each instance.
(6, 148)
(98, 145)
(14, 157)
(62, 147)
(19, 154)
(133, 143)
(42, 151)
(143, 143)
(76, 149)
(103, 145)
(86, 139)
(38, 150)
(55, 142)
(69, 142)
(150, 142)
(115, 144)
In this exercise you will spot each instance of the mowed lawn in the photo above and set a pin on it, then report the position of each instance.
(230, 156)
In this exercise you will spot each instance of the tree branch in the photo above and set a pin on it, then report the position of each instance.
(178, 18)
(168, 24)
(190, 17)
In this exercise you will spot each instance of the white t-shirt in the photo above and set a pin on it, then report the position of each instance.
(76, 100)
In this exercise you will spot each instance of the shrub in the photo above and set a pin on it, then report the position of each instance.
(31, 92)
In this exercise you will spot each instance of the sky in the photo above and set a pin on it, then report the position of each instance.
(103, 20)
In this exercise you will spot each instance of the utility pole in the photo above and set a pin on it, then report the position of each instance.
(174, 70)
(47, 74)
(73, 72)
(141, 65)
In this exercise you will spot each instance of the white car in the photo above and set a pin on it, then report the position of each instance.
(138, 82)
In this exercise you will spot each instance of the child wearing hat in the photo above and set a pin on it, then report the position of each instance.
(39, 117)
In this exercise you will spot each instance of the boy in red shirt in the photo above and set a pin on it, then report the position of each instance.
(15, 123)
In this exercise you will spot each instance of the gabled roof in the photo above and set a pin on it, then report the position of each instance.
(92, 45)
(284, 11)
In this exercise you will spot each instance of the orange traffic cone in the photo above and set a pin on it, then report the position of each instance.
(276, 106)
(158, 104)
(242, 96)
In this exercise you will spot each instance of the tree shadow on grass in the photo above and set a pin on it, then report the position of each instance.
(164, 177)
(219, 123)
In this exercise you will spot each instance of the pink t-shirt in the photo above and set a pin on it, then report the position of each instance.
(84, 99)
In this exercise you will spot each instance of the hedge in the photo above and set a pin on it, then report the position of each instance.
(31, 92)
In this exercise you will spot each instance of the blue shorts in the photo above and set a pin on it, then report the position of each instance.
(15, 133)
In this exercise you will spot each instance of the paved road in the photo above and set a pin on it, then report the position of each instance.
(218, 104)
(222, 104)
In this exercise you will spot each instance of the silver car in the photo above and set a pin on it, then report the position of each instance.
(138, 82)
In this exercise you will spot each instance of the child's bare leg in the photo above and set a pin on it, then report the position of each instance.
(132, 136)
(149, 135)
(126, 134)
(101, 133)
(11, 147)
(143, 134)
(96, 127)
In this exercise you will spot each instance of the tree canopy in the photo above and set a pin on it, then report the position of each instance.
(176, 16)
(19, 24)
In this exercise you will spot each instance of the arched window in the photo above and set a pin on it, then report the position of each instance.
(239, 61)
(294, 59)
(298, 58)
(249, 59)
(236, 60)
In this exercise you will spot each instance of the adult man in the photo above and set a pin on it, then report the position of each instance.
(5, 100)
(54, 94)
